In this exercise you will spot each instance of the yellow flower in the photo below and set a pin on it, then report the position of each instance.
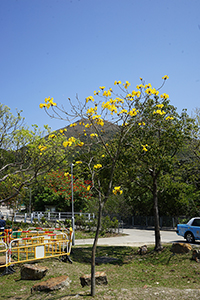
(93, 134)
(88, 188)
(169, 118)
(52, 136)
(126, 85)
(102, 88)
(165, 77)
(140, 86)
(117, 82)
(102, 155)
(122, 111)
(88, 125)
(148, 86)
(159, 105)
(66, 174)
(80, 144)
(164, 96)
(73, 125)
(116, 190)
(97, 166)
(79, 162)
(42, 105)
(148, 91)
(65, 144)
(144, 147)
(159, 112)
(90, 98)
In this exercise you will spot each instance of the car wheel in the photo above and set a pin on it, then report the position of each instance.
(189, 237)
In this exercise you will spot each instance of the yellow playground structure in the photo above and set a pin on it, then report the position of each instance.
(33, 244)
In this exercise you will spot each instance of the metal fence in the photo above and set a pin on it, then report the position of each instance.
(125, 221)
(49, 216)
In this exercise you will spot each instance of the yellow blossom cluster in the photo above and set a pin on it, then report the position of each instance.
(160, 105)
(88, 125)
(91, 111)
(126, 85)
(88, 188)
(159, 112)
(80, 144)
(140, 86)
(90, 98)
(52, 136)
(133, 112)
(165, 77)
(144, 147)
(42, 148)
(73, 125)
(93, 135)
(117, 190)
(98, 120)
(150, 91)
(69, 142)
(107, 93)
(110, 106)
(142, 124)
(169, 118)
(79, 162)
(122, 111)
(66, 174)
(48, 103)
(164, 96)
(97, 166)
(117, 82)
(132, 95)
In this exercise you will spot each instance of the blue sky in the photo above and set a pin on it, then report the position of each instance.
(61, 48)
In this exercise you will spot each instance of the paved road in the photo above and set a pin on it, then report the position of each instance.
(134, 238)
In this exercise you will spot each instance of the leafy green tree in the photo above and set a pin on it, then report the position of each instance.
(163, 134)
(26, 153)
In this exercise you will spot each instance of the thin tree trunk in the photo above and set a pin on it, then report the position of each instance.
(158, 245)
(93, 289)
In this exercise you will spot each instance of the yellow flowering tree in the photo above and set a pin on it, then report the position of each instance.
(120, 106)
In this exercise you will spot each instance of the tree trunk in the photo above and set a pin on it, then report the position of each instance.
(158, 245)
(93, 290)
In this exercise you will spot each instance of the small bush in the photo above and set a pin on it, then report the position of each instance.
(68, 222)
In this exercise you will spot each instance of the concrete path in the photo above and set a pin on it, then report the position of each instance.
(134, 238)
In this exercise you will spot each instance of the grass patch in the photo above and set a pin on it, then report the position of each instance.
(130, 275)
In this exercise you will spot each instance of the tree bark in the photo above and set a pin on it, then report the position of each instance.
(158, 245)
(93, 289)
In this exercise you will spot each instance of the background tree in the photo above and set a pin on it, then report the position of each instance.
(26, 153)
(55, 189)
(163, 133)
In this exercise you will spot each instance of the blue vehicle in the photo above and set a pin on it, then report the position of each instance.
(190, 231)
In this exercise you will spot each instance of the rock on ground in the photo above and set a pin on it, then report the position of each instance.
(52, 284)
(100, 278)
(181, 248)
(33, 272)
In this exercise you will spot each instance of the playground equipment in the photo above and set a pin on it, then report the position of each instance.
(31, 245)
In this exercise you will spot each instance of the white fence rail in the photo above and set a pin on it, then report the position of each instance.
(49, 216)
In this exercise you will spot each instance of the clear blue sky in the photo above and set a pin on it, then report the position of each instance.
(61, 48)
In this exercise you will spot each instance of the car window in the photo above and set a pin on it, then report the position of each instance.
(196, 222)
